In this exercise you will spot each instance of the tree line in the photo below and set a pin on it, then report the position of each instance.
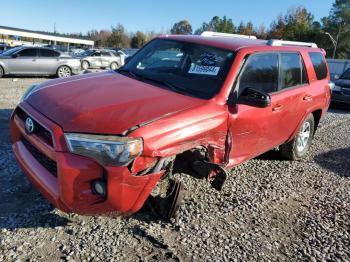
(297, 24)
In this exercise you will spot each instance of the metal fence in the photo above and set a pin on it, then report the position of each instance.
(337, 66)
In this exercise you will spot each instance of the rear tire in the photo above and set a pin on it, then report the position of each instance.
(64, 71)
(2, 72)
(298, 147)
(85, 65)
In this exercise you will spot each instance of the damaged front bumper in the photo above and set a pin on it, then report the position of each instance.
(66, 179)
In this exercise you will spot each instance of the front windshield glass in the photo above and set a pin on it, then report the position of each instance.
(11, 51)
(346, 75)
(193, 69)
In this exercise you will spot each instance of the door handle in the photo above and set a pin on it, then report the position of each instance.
(34, 60)
(277, 108)
(307, 98)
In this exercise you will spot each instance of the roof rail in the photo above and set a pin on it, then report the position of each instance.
(274, 42)
(213, 34)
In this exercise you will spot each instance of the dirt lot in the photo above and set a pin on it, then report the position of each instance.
(270, 209)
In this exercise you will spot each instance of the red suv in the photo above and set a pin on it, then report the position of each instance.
(107, 142)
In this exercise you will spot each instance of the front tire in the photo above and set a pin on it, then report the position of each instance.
(114, 66)
(64, 71)
(299, 146)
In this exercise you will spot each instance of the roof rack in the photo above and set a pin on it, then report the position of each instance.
(274, 42)
(213, 34)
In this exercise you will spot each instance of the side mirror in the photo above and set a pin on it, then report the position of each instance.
(255, 98)
(336, 77)
(14, 55)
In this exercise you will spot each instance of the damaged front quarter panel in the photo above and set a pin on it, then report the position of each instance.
(205, 125)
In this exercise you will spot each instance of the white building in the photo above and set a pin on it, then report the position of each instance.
(16, 36)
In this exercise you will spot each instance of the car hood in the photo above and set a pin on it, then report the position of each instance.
(105, 103)
(343, 83)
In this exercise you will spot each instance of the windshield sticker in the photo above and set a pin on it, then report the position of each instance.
(204, 70)
(210, 59)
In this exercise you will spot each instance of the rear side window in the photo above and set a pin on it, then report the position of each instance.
(48, 53)
(319, 65)
(292, 70)
(260, 73)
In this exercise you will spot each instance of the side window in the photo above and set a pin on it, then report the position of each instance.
(29, 52)
(48, 53)
(319, 65)
(105, 54)
(260, 73)
(292, 70)
(96, 54)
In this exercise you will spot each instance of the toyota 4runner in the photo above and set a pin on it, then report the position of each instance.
(197, 105)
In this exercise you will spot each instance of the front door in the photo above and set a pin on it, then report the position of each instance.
(95, 59)
(24, 62)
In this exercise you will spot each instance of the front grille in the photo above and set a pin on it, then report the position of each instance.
(46, 162)
(40, 131)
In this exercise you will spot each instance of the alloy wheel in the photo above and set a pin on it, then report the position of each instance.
(64, 71)
(303, 137)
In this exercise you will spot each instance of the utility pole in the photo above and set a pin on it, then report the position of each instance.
(54, 28)
(334, 42)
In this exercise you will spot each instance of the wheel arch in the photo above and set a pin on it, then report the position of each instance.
(317, 114)
(2, 65)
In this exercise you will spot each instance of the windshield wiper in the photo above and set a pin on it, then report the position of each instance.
(129, 72)
(141, 77)
(167, 84)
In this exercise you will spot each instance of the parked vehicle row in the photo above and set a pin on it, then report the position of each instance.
(189, 104)
(33, 60)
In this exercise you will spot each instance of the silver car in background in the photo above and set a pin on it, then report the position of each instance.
(30, 60)
(101, 59)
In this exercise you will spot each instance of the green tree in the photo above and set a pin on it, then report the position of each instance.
(118, 38)
(217, 24)
(138, 40)
(182, 28)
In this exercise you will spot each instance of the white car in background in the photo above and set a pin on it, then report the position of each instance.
(93, 58)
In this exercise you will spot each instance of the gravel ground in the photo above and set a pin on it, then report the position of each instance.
(269, 210)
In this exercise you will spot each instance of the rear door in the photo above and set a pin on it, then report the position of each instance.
(24, 62)
(47, 61)
(288, 102)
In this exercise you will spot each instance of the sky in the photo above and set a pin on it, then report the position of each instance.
(72, 16)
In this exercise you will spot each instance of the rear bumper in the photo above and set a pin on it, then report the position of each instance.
(70, 188)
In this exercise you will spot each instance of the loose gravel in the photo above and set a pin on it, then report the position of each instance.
(270, 209)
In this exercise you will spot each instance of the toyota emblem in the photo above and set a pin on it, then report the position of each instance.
(30, 125)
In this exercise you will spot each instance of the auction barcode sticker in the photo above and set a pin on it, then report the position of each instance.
(204, 70)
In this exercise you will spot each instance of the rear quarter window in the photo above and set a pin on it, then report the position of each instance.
(319, 64)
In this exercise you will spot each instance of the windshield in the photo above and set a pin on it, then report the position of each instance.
(11, 51)
(194, 69)
(346, 75)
